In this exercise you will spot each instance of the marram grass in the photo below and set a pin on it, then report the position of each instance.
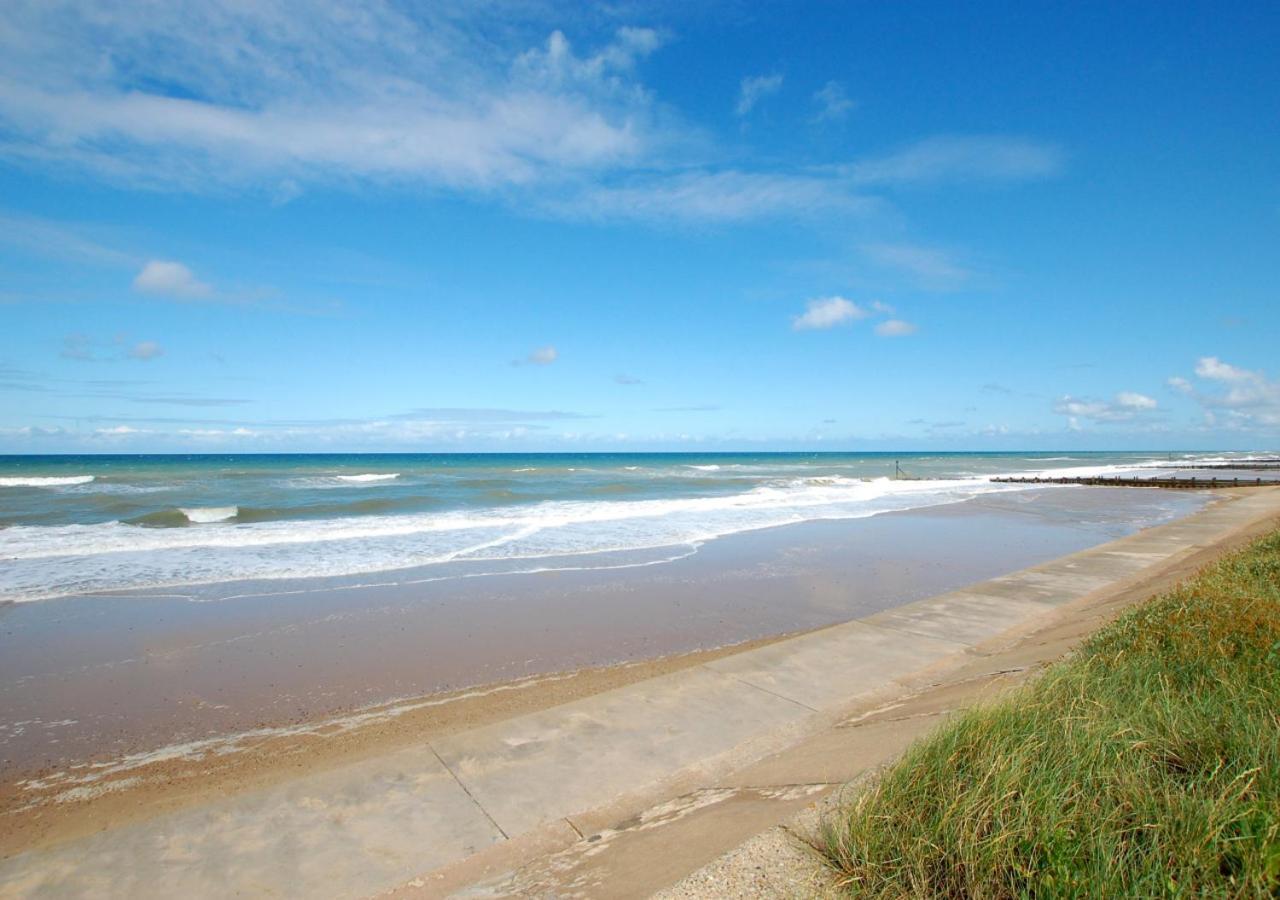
(1146, 765)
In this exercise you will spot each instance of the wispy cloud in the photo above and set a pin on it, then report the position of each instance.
(86, 348)
(482, 99)
(59, 241)
(1126, 406)
(444, 426)
(739, 195)
(540, 356)
(706, 195)
(626, 379)
(961, 158)
(257, 93)
(458, 414)
(832, 103)
(77, 346)
(755, 88)
(928, 267)
(145, 350)
(895, 328)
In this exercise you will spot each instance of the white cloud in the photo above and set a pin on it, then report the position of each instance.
(267, 92)
(1132, 400)
(77, 346)
(1244, 399)
(145, 350)
(961, 158)
(1126, 406)
(754, 89)
(928, 267)
(170, 279)
(832, 102)
(488, 99)
(828, 312)
(1214, 369)
(714, 196)
(541, 356)
(895, 328)
(55, 239)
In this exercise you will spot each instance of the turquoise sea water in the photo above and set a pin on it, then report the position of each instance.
(76, 524)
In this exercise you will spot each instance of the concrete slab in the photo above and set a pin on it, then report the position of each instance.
(961, 616)
(547, 765)
(1055, 587)
(650, 850)
(349, 832)
(836, 665)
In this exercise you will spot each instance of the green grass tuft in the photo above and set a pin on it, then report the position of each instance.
(1147, 764)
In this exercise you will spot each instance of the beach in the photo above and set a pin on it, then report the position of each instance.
(289, 779)
(122, 706)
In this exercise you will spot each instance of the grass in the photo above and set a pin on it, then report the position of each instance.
(1147, 764)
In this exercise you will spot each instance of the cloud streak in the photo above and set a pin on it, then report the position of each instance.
(753, 89)
(488, 101)
(961, 159)
(312, 90)
(832, 103)
(928, 267)
(1126, 406)
(540, 356)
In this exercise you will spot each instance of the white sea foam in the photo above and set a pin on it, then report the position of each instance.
(45, 480)
(203, 515)
(369, 477)
(50, 561)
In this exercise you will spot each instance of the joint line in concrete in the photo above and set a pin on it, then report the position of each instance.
(898, 629)
(467, 791)
(765, 690)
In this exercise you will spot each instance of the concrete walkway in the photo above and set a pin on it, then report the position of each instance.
(525, 805)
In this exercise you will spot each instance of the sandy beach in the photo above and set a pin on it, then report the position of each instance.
(130, 706)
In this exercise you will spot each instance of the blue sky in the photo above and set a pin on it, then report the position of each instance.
(489, 226)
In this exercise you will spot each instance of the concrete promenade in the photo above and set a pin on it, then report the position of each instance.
(526, 805)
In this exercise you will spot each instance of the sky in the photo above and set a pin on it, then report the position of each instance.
(335, 226)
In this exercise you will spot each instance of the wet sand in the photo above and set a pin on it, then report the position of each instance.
(98, 678)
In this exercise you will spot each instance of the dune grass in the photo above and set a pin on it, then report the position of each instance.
(1147, 764)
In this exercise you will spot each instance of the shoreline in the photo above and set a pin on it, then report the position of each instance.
(464, 828)
(91, 680)
(40, 807)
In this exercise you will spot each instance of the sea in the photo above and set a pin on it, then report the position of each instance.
(187, 524)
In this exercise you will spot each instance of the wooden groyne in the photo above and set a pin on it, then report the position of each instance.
(1254, 465)
(1172, 482)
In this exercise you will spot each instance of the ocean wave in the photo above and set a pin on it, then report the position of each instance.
(45, 561)
(368, 477)
(205, 515)
(45, 480)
